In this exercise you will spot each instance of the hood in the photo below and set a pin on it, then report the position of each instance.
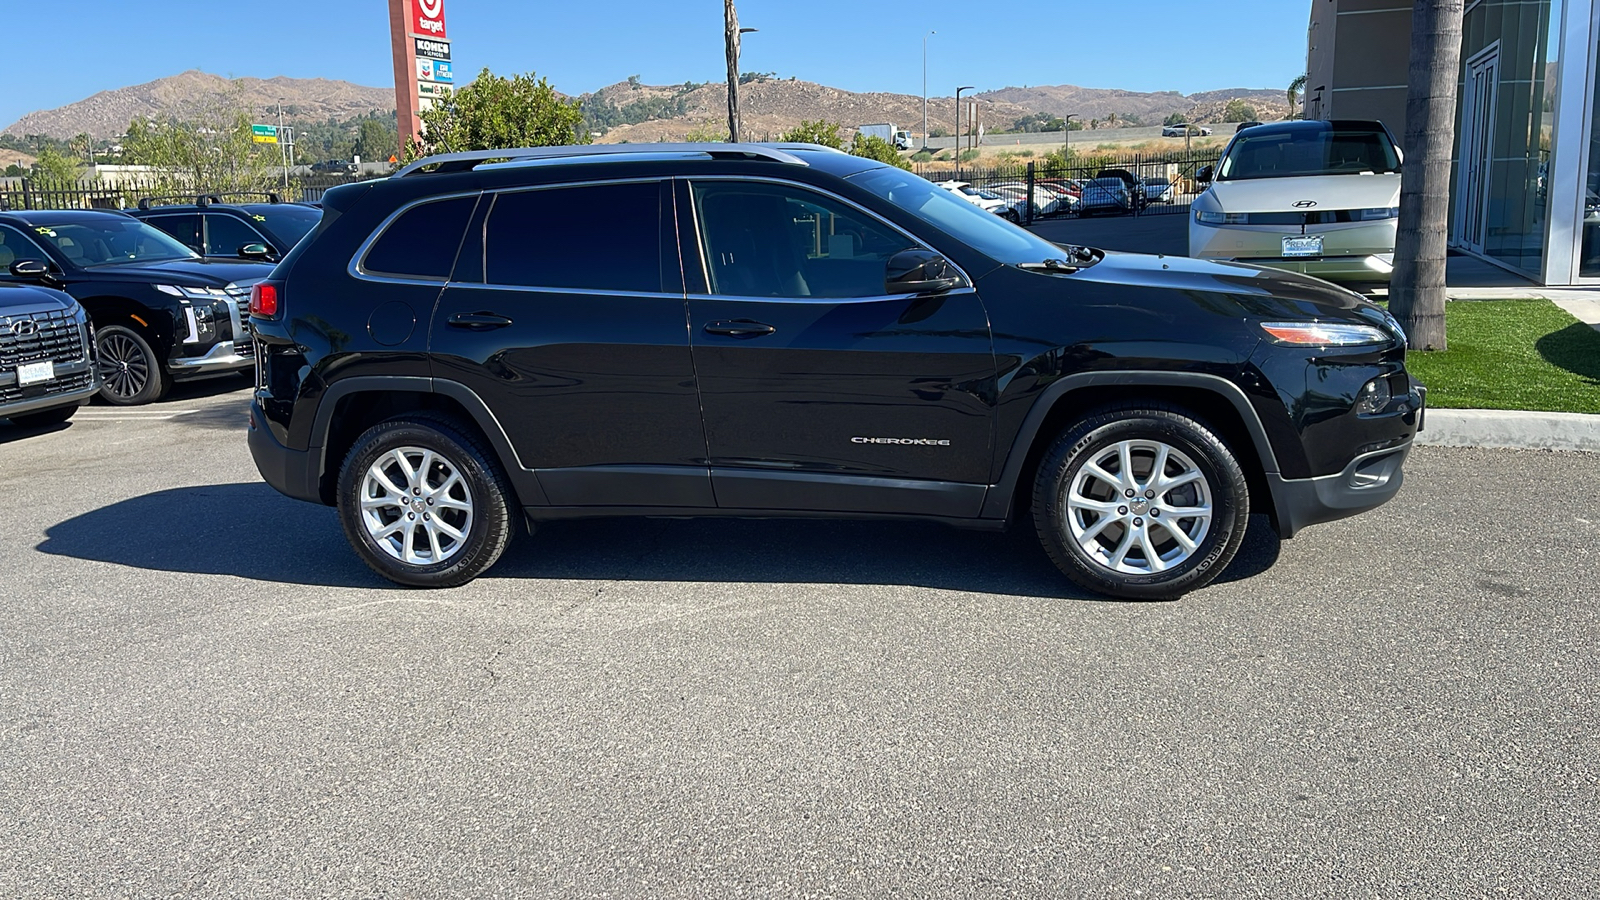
(29, 298)
(1256, 292)
(187, 272)
(1327, 191)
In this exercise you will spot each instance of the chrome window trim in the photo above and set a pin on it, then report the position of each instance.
(357, 268)
(588, 292)
(705, 268)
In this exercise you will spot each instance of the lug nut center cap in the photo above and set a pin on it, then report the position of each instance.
(1139, 506)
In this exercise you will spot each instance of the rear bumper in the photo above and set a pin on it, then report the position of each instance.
(292, 473)
(1370, 481)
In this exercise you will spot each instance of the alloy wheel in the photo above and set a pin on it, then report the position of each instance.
(416, 506)
(124, 367)
(1138, 507)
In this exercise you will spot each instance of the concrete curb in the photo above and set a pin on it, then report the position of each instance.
(1511, 429)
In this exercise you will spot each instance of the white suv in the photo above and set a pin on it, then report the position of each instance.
(1319, 198)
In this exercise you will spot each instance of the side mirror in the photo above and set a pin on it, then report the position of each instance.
(919, 272)
(257, 251)
(33, 270)
(1203, 175)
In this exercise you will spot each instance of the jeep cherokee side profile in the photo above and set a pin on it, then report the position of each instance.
(785, 330)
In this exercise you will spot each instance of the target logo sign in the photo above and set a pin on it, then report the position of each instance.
(427, 18)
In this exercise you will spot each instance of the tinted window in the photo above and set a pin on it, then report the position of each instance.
(112, 240)
(15, 246)
(289, 222)
(985, 232)
(226, 234)
(604, 237)
(185, 228)
(422, 243)
(764, 240)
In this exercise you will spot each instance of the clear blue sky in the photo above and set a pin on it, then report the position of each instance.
(857, 45)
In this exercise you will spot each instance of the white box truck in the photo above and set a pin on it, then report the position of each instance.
(901, 140)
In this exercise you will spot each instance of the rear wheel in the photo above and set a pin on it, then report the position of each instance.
(424, 502)
(1142, 503)
(130, 372)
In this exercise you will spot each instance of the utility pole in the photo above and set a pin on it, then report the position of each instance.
(731, 33)
(925, 89)
(964, 87)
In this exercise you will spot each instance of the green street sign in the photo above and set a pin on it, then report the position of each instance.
(264, 134)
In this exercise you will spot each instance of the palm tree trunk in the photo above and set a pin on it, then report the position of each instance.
(731, 21)
(1417, 289)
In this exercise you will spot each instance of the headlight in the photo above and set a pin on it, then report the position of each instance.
(1370, 215)
(1324, 334)
(1221, 218)
(193, 293)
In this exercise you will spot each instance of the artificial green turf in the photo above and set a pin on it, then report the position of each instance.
(1512, 354)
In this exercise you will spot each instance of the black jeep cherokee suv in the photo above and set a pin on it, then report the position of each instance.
(785, 330)
(214, 229)
(160, 312)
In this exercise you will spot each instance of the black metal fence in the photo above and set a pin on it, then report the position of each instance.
(125, 192)
(1149, 185)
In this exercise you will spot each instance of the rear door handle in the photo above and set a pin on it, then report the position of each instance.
(739, 328)
(479, 321)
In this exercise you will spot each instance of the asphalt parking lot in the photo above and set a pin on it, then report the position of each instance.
(204, 693)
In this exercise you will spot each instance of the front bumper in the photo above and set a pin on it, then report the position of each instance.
(1370, 481)
(219, 360)
(1352, 252)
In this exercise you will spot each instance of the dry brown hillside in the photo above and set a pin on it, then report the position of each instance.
(1147, 108)
(769, 108)
(106, 114)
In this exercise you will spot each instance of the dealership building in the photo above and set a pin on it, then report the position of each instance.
(1526, 187)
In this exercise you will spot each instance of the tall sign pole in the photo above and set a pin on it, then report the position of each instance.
(423, 70)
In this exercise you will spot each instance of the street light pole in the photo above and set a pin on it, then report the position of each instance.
(964, 87)
(1066, 135)
(925, 89)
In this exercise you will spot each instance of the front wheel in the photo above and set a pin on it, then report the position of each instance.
(1141, 503)
(424, 502)
(130, 372)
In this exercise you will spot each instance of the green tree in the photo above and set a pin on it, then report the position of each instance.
(1238, 111)
(877, 148)
(210, 149)
(56, 167)
(1176, 118)
(375, 141)
(819, 132)
(1296, 88)
(494, 113)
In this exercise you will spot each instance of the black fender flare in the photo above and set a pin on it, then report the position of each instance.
(524, 480)
(998, 502)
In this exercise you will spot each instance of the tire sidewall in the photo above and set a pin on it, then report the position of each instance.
(489, 514)
(1209, 455)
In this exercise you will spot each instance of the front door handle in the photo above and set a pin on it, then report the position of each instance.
(479, 321)
(739, 328)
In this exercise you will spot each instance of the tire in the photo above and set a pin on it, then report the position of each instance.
(1136, 554)
(131, 372)
(45, 419)
(1012, 217)
(425, 543)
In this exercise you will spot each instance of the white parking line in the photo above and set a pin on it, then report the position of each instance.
(131, 415)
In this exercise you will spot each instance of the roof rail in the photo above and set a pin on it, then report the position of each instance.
(471, 159)
(205, 200)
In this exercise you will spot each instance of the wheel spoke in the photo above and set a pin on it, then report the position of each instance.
(1159, 470)
(448, 530)
(1087, 539)
(1121, 555)
(1151, 558)
(1179, 535)
(405, 469)
(1094, 471)
(382, 478)
(385, 502)
(1125, 457)
(1104, 507)
(433, 539)
(1165, 485)
(1186, 512)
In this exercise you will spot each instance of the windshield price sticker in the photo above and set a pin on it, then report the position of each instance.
(1310, 245)
(35, 373)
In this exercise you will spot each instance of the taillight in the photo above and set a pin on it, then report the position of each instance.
(264, 300)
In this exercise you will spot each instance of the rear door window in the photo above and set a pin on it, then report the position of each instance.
(226, 234)
(183, 226)
(602, 237)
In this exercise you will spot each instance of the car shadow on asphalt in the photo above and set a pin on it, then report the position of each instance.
(251, 531)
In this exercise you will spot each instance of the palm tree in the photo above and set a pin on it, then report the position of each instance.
(1417, 288)
(1295, 87)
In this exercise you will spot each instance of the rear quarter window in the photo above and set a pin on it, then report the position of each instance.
(422, 242)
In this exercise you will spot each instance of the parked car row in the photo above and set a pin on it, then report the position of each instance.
(123, 304)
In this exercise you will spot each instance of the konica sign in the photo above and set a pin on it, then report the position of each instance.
(427, 18)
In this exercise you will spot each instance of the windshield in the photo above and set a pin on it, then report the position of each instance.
(288, 222)
(1259, 153)
(983, 231)
(112, 241)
